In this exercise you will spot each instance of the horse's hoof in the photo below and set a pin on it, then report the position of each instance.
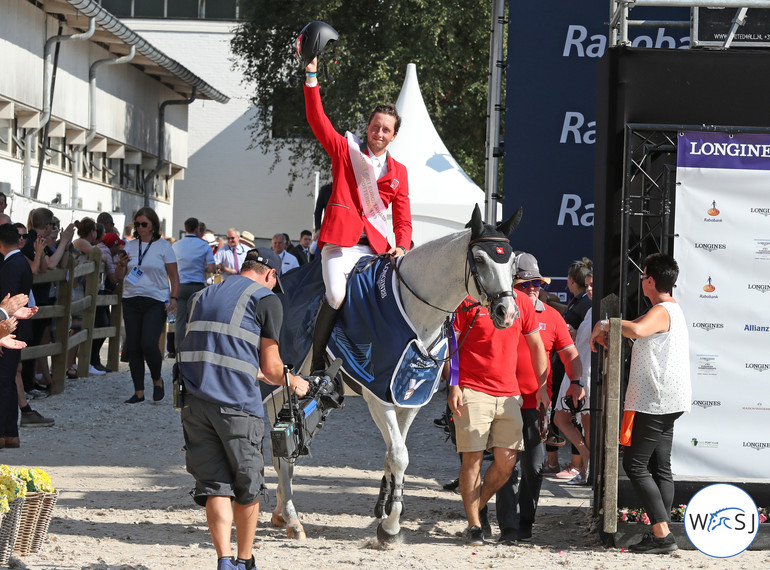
(277, 521)
(295, 532)
(384, 537)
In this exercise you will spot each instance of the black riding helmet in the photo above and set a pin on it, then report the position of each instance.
(313, 39)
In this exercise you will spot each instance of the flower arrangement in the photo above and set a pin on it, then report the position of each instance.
(18, 481)
(677, 515)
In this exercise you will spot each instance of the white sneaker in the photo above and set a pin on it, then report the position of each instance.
(94, 371)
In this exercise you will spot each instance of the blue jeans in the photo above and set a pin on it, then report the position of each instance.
(647, 462)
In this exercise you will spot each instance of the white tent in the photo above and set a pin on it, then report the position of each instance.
(442, 194)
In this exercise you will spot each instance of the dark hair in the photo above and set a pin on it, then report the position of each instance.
(190, 225)
(3, 197)
(150, 214)
(18, 225)
(85, 226)
(9, 235)
(99, 231)
(386, 109)
(663, 269)
(304, 233)
(579, 270)
(105, 218)
(255, 266)
(201, 227)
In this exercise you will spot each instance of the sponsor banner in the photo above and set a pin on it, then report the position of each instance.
(723, 251)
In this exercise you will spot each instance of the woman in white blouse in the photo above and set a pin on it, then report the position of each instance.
(150, 290)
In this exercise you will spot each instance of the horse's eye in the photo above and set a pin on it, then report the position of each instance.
(478, 259)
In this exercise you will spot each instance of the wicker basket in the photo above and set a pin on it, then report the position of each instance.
(30, 513)
(9, 529)
(43, 520)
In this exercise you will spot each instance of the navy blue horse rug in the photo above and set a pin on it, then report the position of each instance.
(374, 337)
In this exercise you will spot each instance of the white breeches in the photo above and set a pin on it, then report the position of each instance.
(337, 263)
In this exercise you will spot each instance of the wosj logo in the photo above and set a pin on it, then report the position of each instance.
(721, 520)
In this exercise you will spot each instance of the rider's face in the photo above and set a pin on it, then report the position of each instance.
(380, 132)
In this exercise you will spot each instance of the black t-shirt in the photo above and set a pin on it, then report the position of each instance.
(269, 316)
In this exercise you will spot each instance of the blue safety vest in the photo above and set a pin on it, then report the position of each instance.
(219, 356)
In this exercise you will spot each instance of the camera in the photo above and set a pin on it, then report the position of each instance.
(299, 419)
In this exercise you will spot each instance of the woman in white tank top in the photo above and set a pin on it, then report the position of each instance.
(659, 392)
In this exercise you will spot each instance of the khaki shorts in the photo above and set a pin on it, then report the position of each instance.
(489, 421)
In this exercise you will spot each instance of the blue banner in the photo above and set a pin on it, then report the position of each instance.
(550, 121)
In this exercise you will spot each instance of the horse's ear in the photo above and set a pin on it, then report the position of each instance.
(507, 227)
(476, 224)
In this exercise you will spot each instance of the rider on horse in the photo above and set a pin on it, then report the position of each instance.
(366, 180)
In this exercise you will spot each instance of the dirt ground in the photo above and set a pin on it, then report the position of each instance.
(124, 500)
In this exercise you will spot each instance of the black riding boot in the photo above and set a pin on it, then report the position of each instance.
(324, 324)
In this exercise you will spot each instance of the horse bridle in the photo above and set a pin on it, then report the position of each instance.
(470, 269)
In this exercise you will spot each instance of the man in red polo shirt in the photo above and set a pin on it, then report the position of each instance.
(486, 404)
(516, 504)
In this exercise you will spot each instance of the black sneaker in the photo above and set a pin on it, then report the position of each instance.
(452, 485)
(508, 536)
(440, 422)
(474, 536)
(135, 399)
(158, 393)
(486, 528)
(651, 544)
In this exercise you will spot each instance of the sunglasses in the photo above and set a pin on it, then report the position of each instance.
(142, 224)
(229, 238)
(55, 229)
(531, 283)
(23, 236)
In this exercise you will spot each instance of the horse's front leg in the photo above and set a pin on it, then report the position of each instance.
(393, 426)
(285, 515)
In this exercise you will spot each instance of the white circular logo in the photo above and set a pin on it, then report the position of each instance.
(721, 520)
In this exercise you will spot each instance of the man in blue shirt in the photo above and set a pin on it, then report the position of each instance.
(194, 259)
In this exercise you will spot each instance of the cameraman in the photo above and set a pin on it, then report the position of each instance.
(232, 336)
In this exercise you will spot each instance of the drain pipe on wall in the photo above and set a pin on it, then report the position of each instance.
(78, 151)
(150, 178)
(29, 140)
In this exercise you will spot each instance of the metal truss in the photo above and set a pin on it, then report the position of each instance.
(620, 12)
(647, 206)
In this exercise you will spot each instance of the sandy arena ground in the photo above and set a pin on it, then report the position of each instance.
(124, 500)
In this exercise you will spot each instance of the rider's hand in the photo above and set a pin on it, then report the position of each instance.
(397, 251)
(312, 66)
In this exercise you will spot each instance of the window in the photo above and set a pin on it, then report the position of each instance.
(119, 8)
(182, 9)
(221, 9)
(148, 8)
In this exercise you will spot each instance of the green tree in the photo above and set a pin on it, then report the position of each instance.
(448, 40)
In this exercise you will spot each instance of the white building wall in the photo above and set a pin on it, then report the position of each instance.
(226, 184)
(127, 103)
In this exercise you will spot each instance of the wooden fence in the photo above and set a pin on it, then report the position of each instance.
(65, 308)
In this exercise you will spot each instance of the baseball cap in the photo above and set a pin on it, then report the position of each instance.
(527, 269)
(111, 239)
(266, 256)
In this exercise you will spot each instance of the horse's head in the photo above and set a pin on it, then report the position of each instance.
(490, 261)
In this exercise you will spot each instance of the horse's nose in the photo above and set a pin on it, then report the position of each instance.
(506, 313)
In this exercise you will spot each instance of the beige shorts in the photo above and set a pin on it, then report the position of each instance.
(489, 421)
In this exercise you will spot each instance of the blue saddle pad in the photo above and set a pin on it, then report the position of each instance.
(377, 342)
(373, 335)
